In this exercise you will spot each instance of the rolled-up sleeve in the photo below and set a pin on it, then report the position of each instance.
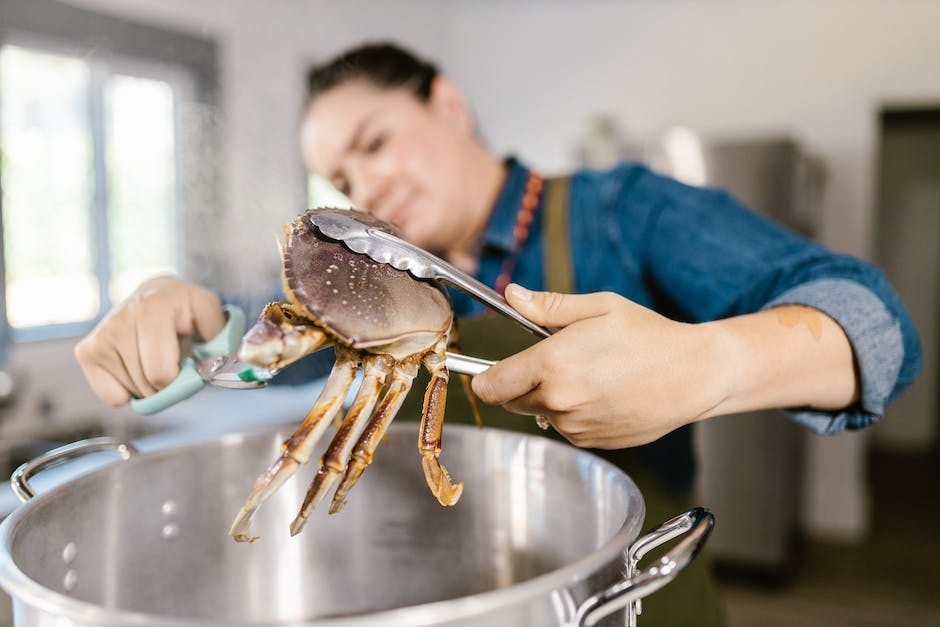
(877, 342)
(710, 257)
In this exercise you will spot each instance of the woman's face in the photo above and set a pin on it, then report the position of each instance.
(395, 156)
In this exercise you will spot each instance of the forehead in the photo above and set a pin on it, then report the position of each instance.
(332, 119)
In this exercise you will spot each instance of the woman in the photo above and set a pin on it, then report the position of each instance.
(689, 305)
(780, 322)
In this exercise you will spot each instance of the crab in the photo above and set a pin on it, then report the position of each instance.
(374, 316)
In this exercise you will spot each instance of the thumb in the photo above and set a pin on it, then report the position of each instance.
(552, 309)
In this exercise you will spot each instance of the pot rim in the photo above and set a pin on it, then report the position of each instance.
(24, 589)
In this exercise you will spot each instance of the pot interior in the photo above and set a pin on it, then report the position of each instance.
(150, 534)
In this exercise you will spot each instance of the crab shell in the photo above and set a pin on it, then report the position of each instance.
(360, 302)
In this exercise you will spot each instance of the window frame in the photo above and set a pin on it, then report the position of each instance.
(110, 46)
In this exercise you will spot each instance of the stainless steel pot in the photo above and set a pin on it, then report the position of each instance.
(543, 535)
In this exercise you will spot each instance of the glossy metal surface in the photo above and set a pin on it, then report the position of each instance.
(541, 526)
(464, 364)
(386, 247)
(19, 481)
(695, 525)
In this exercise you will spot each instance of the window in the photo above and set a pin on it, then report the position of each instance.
(88, 159)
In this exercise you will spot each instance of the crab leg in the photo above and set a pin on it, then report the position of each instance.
(402, 376)
(454, 347)
(375, 370)
(432, 426)
(298, 448)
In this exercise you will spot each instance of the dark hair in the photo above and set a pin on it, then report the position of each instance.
(383, 64)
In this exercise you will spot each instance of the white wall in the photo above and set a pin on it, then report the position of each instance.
(536, 69)
(818, 69)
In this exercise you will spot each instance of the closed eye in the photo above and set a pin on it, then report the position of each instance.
(375, 144)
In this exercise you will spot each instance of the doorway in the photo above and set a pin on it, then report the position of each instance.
(908, 248)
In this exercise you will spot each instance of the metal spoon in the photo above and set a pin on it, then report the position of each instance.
(385, 247)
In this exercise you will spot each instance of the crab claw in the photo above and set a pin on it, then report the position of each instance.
(439, 479)
(279, 337)
(431, 431)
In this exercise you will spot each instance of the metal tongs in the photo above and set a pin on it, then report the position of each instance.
(386, 247)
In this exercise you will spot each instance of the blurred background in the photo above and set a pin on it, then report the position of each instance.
(139, 137)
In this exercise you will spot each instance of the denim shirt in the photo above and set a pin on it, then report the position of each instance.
(697, 254)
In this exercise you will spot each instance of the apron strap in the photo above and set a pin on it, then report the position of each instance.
(558, 265)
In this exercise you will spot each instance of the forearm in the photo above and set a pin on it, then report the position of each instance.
(787, 356)
(714, 259)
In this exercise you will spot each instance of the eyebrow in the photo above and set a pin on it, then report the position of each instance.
(354, 138)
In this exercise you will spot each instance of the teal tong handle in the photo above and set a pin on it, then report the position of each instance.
(189, 381)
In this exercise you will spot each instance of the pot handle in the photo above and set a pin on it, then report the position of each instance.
(20, 478)
(696, 524)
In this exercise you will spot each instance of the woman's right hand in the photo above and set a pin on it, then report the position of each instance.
(135, 350)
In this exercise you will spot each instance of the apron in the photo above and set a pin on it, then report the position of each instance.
(692, 597)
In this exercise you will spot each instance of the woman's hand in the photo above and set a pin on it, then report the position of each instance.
(617, 374)
(135, 350)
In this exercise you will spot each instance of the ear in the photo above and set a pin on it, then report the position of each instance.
(448, 102)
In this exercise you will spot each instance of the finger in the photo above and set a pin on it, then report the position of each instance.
(507, 379)
(206, 312)
(532, 404)
(106, 386)
(98, 353)
(101, 365)
(159, 350)
(117, 368)
(545, 413)
(525, 406)
(556, 310)
(127, 353)
(121, 355)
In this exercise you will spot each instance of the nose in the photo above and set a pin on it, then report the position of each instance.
(366, 187)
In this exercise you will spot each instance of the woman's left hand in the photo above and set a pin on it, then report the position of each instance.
(615, 375)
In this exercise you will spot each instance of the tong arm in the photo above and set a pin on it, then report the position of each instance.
(437, 268)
